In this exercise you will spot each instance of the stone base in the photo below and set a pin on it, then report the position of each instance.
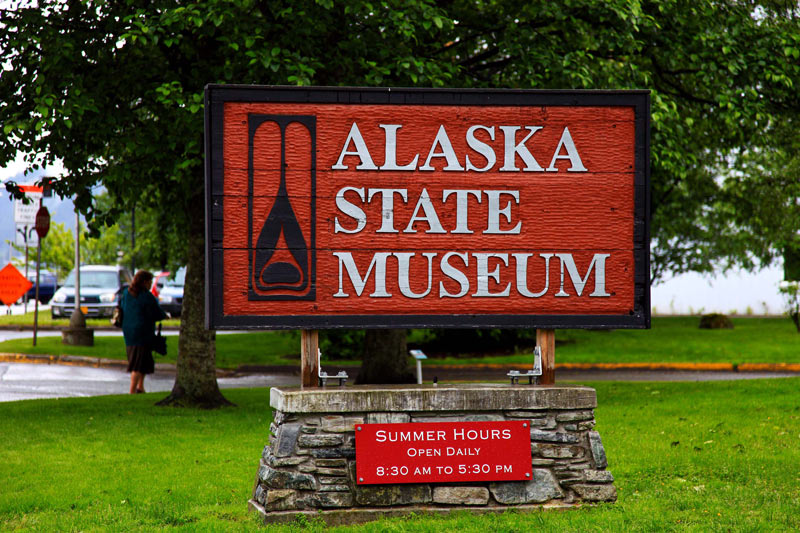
(77, 336)
(309, 465)
(341, 517)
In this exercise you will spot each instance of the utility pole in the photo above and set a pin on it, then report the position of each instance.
(77, 333)
(133, 240)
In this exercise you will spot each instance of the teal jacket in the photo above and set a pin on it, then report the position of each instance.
(139, 316)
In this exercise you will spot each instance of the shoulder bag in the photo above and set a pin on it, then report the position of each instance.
(159, 342)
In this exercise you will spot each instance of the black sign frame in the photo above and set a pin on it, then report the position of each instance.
(216, 96)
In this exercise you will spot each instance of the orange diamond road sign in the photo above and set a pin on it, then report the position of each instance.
(12, 284)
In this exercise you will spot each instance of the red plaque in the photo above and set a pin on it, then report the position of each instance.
(12, 284)
(443, 452)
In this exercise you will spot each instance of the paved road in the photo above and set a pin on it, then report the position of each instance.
(21, 381)
(25, 381)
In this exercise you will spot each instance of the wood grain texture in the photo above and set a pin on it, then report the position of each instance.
(619, 284)
(309, 366)
(560, 212)
(546, 340)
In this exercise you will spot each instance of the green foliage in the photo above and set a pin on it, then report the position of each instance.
(153, 245)
(58, 252)
(724, 76)
(58, 249)
(340, 344)
(446, 342)
(133, 120)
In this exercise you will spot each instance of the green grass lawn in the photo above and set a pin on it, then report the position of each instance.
(716, 456)
(47, 321)
(671, 340)
(233, 350)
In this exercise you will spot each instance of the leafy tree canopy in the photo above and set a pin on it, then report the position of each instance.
(115, 90)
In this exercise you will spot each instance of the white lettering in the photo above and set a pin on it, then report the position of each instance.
(403, 261)
(512, 149)
(434, 226)
(572, 154)
(493, 222)
(462, 206)
(481, 147)
(577, 281)
(456, 275)
(443, 141)
(491, 274)
(351, 210)
(378, 263)
(360, 151)
(484, 275)
(387, 207)
(522, 275)
(442, 147)
(390, 161)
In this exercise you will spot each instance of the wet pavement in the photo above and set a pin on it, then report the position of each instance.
(26, 381)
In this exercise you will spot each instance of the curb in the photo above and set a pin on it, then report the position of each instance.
(99, 362)
(689, 367)
(74, 360)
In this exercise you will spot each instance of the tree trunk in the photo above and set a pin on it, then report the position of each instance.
(196, 378)
(385, 358)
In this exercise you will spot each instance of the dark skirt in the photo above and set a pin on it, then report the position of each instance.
(140, 359)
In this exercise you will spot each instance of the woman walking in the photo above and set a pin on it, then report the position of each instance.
(140, 312)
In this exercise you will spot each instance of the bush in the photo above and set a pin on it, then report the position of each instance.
(715, 321)
(468, 342)
(341, 343)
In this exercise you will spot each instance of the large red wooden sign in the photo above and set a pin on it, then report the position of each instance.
(336, 207)
(443, 452)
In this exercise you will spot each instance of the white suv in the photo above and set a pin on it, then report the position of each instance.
(100, 288)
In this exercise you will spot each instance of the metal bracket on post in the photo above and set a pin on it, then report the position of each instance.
(530, 374)
(419, 355)
(324, 377)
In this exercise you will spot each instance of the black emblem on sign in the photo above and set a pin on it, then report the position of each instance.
(282, 273)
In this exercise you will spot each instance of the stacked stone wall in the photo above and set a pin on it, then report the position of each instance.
(310, 465)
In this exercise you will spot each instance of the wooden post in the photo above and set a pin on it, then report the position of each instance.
(546, 339)
(309, 367)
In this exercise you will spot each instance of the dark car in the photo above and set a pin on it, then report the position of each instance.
(48, 285)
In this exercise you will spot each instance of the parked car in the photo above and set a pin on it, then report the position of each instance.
(170, 297)
(48, 285)
(100, 289)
